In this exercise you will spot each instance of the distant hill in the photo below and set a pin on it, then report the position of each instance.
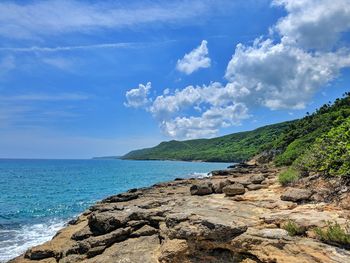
(229, 148)
(286, 140)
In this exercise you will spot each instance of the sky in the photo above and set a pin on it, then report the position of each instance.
(97, 78)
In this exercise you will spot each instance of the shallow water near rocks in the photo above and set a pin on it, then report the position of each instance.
(37, 197)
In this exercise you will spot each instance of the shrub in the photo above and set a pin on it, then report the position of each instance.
(330, 154)
(293, 229)
(334, 234)
(288, 176)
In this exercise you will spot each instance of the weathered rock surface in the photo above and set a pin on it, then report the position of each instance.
(234, 189)
(203, 188)
(199, 220)
(296, 195)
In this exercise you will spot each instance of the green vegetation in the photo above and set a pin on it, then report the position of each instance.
(334, 234)
(230, 148)
(318, 142)
(303, 133)
(330, 154)
(288, 176)
(293, 229)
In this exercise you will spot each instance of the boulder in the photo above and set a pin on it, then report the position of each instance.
(257, 179)
(234, 189)
(203, 188)
(253, 187)
(296, 195)
(220, 172)
(217, 187)
(38, 253)
(210, 229)
(105, 222)
(82, 234)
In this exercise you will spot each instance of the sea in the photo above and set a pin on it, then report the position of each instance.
(38, 197)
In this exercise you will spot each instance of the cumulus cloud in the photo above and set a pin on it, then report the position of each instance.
(215, 103)
(313, 23)
(206, 125)
(286, 72)
(138, 97)
(302, 54)
(277, 74)
(196, 59)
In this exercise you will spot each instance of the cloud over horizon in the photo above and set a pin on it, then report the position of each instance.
(302, 53)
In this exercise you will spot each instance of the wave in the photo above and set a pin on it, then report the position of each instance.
(14, 242)
(199, 175)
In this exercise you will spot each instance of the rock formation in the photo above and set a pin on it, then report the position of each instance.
(237, 215)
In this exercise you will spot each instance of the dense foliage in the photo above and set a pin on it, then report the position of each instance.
(330, 154)
(230, 148)
(304, 132)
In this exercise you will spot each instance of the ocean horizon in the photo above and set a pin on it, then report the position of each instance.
(39, 196)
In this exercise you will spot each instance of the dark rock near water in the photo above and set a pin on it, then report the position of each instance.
(203, 188)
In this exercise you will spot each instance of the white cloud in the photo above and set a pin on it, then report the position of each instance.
(215, 104)
(303, 53)
(196, 59)
(138, 97)
(206, 125)
(286, 72)
(283, 76)
(57, 17)
(314, 23)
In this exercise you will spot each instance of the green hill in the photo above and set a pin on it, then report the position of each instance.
(229, 148)
(289, 140)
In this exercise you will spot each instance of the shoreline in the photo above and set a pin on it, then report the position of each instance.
(25, 237)
(180, 220)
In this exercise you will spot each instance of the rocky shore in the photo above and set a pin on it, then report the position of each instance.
(237, 215)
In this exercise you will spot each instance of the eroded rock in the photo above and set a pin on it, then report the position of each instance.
(234, 189)
(296, 195)
(202, 188)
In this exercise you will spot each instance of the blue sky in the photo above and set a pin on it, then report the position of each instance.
(93, 78)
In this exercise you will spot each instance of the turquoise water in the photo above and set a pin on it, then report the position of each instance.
(37, 197)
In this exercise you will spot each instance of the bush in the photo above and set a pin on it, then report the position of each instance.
(293, 229)
(334, 234)
(288, 176)
(330, 154)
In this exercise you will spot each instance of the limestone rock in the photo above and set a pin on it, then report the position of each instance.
(296, 195)
(146, 230)
(257, 179)
(105, 222)
(234, 189)
(203, 188)
(253, 187)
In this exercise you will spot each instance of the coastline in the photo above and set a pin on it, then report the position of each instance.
(191, 220)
